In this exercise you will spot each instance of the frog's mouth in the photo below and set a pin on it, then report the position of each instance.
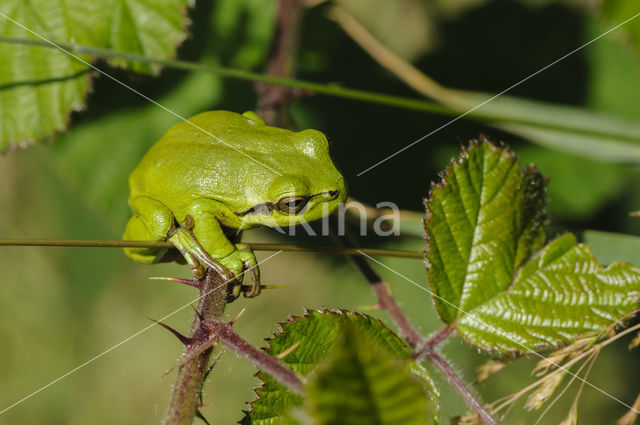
(267, 208)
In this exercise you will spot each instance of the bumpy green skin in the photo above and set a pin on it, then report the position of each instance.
(189, 172)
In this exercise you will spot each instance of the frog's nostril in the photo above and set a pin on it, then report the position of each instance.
(333, 194)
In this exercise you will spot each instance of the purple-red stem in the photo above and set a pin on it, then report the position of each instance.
(423, 347)
(273, 100)
(190, 377)
(430, 343)
(262, 360)
(438, 361)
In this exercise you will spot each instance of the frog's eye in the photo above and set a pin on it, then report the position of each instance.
(292, 204)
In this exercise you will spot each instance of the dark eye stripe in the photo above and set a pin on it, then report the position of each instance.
(289, 204)
(263, 209)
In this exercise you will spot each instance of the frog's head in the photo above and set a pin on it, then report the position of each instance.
(309, 186)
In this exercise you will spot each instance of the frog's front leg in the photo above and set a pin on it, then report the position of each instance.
(211, 241)
(151, 221)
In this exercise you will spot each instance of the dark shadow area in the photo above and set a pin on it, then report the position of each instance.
(470, 57)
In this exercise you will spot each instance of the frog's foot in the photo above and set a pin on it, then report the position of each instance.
(185, 241)
(243, 260)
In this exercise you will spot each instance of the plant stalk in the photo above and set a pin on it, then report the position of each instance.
(438, 361)
(273, 100)
(329, 89)
(185, 396)
(266, 362)
(374, 252)
(423, 347)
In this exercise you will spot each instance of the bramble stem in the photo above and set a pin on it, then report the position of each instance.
(438, 361)
(273, 100)
(423, 347)
(190, 377)
(430, 343)
(259, 358)
(385, 298)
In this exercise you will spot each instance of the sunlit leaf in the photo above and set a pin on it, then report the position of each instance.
(497, 294)
(41, 86)
(483, 220)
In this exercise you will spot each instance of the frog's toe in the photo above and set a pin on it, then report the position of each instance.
(241, 262)
(234, 264)
(251, 266)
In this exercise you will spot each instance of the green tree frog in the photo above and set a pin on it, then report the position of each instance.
(222, 172)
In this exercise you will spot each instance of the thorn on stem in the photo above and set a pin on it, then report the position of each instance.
(183, 339)
(189, 282)
(235, 319)
(373, 307)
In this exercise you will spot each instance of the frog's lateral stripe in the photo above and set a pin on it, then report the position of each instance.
(264, 209)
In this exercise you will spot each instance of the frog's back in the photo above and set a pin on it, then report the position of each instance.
(218, 155)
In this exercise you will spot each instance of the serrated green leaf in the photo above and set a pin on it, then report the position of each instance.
(315, 333)
(561, 293)
(362, 384)
(482, 227)
(39, 87)
(484, 220)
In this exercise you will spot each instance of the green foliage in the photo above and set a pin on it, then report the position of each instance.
(485, 228)
(484, 219)
(96, 159)
(560, 294)
(315, 334)
(363, 384)
(383, 18)
(489, 221)
(39, 87)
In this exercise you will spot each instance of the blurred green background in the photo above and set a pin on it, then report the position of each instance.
(62, 306)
